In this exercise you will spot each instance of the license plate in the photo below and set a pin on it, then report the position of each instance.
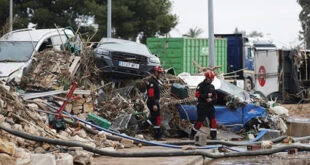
(128, 64)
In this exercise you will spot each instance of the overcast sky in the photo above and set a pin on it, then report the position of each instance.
(277, 19)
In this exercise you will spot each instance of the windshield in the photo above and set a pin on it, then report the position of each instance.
(234, 90)
(129, 47)
(16, 51)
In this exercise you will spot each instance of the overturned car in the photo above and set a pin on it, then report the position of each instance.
(124, 58)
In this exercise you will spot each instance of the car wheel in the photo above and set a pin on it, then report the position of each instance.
(248, 85)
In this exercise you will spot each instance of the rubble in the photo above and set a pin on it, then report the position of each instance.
(121, 103)
(50, 70)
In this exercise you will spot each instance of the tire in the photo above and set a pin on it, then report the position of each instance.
(248, 84)
(275, 96)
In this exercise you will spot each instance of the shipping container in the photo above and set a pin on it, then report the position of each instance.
(180, 53)
(235, 58)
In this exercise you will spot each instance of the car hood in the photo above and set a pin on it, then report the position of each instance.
(8, 68)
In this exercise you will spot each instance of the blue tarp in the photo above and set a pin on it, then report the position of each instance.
(224, 115)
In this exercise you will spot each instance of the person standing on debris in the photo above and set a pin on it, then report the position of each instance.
(206, 95)
(153, 94)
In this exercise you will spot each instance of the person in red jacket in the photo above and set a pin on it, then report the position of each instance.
(153, 93)
(206, 95)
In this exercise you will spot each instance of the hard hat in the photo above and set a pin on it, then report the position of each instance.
(159, 69)
(209, 74)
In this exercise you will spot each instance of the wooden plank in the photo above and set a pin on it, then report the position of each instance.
(74, 65)
(28, 96)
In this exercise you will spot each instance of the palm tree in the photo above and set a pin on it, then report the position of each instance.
(193, 32)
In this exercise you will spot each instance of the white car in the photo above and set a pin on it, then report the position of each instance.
(18, 47)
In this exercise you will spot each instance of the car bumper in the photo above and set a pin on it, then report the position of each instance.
(111, 67)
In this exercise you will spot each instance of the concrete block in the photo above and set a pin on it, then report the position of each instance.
(64, 159)
(200, 139)
(39, 159)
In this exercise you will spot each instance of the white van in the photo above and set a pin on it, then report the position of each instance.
(18, 47)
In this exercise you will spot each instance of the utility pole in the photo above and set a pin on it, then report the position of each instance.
(11, 16)
(109, 19)
(211, 34)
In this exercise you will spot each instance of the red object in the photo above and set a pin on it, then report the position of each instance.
(68, 98)
(209, 74)
(198, 125)
(254, 147)
(158, 121)
(262, 76)
(197, 94)
(213, 123)
(159, 69)
(151, 92)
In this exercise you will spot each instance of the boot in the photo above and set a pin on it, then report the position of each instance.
(157, 135)
(213, 133)
(192, 134)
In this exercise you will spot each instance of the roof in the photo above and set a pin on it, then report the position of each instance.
(105, 40)
(31, 34)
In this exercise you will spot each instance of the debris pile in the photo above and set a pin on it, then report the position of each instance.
(50, 70)
(32, 117)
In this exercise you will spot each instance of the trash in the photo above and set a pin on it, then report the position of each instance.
(254, 147)
(98, 120)
(279, 110)
(28, 96)
(121, 122)
(266, 144)
(271, 134)
(179, 91)
(139, 136)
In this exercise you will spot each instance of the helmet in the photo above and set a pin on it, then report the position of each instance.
(159, 69)
(209, 74)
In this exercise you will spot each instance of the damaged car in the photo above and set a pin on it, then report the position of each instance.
(234, 106)
(17, 49)
(124, 58)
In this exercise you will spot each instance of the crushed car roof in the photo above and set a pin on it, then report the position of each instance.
(31, 34)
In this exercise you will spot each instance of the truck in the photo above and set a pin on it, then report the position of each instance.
(241, 54)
